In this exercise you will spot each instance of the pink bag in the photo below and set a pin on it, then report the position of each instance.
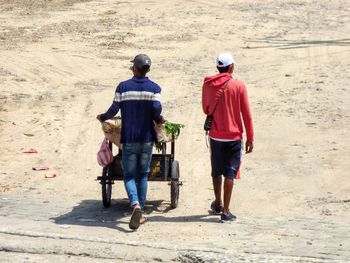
(104, 155)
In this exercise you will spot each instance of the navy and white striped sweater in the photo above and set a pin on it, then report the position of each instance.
(139, 101)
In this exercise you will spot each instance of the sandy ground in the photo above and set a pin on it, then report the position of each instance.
(59, 63)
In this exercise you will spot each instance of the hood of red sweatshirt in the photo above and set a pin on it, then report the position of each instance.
(211, 90)
(217, 80)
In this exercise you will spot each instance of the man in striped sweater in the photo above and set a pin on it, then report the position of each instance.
(138, 99)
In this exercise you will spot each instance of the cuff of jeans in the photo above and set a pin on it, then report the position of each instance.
(134, 203)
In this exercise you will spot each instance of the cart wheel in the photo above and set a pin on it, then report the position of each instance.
(106, 188)
(174, 184)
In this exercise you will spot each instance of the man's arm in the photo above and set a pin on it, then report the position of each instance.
(204, 101)
(113, 109)
(157, 107)
(247, 119)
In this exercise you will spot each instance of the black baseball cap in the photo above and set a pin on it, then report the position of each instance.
(141, 60)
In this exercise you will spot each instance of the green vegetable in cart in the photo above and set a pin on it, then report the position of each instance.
(171, 129)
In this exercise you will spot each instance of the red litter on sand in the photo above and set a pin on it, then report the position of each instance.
(31, 150)
(40, 168)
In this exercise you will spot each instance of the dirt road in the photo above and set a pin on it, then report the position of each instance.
(59, 63)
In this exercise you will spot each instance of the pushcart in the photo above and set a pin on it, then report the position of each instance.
(164, 168)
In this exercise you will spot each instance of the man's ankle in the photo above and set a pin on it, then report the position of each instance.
(136, 206)
(218, 203)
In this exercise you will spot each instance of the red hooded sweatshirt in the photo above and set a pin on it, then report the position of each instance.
(233, 104)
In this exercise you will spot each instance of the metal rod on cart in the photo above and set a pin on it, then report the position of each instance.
(163, 148)
(173, 148)
(163, 161)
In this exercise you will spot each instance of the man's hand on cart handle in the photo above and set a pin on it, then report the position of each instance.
(161, 121)
(160, 124)
(98, 117)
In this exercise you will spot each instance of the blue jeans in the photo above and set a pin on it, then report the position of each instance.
(136, 160)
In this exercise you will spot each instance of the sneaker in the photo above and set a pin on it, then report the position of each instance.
(216, 209)
(227, 217)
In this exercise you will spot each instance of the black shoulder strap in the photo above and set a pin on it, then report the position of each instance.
(222, 92)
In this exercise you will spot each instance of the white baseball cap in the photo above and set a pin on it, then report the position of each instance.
(224, 60)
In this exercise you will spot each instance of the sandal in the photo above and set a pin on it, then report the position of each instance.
(135, 219)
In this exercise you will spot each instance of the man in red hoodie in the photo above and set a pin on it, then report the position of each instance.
(226, 99)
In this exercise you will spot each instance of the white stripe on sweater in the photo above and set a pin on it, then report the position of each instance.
(137, 95)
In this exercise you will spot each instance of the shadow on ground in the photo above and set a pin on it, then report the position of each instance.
(92, 213)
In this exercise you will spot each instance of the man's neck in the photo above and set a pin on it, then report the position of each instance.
(139, 75)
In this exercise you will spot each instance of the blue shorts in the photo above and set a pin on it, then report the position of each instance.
(225, 158)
